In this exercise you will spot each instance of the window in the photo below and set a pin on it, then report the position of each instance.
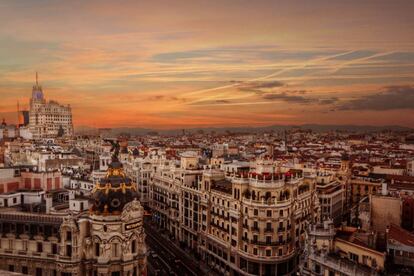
(69, 250)
(232, 259)
(268, 239)
(134, 246)
(54, 248)
(39, 247)
(11, 267)
(97, 251)
(25, 270)
(115, 249)
(268, 226)
(269, 213)
(268, 252)
(68, 235)
(256, 212)
(353, 257)
(38, 271)
(255, 251)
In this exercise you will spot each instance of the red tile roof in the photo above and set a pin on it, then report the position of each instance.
(400, 235)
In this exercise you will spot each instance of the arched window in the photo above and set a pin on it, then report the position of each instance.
(134, 246)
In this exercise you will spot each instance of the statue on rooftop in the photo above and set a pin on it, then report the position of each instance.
(115, 149)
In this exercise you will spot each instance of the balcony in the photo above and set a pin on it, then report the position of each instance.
(269, 230)
(254, 229)
(263, 243)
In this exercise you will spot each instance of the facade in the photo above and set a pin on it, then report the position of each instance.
(331, 194)
(107, 240)
(13, 179)
(48, 119)
(240, 223)
(362, 186)
(385, 210)
(342, 252)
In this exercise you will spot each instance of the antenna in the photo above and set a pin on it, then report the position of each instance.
(18, 114)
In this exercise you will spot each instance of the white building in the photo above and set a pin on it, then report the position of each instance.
(48, 119)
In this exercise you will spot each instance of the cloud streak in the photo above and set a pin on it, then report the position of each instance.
(393, 97)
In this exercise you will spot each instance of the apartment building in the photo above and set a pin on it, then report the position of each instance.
(243, 221)
(331, 194)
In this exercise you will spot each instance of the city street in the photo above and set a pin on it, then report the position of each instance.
(165, 258)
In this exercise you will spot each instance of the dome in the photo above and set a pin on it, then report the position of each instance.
(114, 191)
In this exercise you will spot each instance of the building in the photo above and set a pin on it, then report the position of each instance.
(48, 119)
(7, 131)
(331, 194)
(107, 240)
(400, 246)
(341, 252)
(248, 221)
(385, 210)
(25, 178)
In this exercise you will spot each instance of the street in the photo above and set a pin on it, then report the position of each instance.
(165, 258)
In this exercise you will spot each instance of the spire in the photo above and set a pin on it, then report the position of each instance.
(18, 114)
(37, 83)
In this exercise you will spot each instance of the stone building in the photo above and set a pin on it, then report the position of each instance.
(250, 221)
(344, 251)
(48, 119)
(106, 240)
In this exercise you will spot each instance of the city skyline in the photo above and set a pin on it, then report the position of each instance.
(199, 64)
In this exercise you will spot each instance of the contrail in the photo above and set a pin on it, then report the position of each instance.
(264, 77)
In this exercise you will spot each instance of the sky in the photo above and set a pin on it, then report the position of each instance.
(183, 64)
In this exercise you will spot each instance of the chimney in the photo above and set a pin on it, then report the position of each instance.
(49, 201)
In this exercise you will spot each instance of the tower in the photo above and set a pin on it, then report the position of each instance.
(117, 234)
(37, 92)
(47, 118)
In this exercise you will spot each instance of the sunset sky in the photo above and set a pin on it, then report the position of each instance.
(174, 64)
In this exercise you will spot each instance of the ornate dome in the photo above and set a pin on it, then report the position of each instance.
(114, 191)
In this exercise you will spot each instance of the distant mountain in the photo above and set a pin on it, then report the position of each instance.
(314, 127)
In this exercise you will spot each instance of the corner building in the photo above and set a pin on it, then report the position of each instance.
(245, 222)
(107, 240)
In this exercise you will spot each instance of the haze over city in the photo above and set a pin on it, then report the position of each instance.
(184, 64)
